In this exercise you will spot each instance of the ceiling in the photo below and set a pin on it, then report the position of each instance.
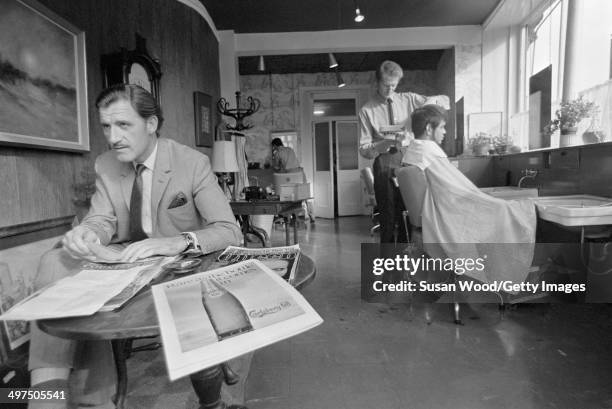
(347, 62)
(272, 16)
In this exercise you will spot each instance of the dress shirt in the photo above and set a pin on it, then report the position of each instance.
(284, 159)
(375, 114)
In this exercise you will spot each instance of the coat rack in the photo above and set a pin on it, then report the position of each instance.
(238, 113)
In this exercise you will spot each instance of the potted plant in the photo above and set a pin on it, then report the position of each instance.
(501, 144)
(481, 144)
(567, 118)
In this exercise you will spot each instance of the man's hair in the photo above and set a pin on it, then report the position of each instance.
(389, 69)
(276, 142)
(142, 101)
(427, 114)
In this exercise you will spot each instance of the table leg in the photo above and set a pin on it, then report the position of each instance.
(207, 385)
(295, 228)
(245, 229)
(287, 238)
(120, 351)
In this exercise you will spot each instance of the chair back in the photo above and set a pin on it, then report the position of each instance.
(368, 179)
(412, 186)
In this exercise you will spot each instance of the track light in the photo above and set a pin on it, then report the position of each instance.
(339, 79)
(262, 64)
(358, 16)
(332, 61)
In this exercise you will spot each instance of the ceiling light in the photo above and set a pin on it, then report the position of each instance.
(358, 16)
(332, 61)
(262, 64)
(319, 112)
(339, 80)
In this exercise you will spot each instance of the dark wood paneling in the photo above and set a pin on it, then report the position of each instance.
(37, 184)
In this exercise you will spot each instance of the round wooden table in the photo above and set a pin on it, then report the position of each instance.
(137, 319)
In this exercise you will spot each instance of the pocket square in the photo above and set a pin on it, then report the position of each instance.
(179, 200)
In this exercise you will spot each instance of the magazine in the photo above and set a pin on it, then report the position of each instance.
(213, 316)
(96, 287)
(283, 260)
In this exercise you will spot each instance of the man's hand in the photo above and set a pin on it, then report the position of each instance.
(75, 242)
(166, 246)
(383, 145)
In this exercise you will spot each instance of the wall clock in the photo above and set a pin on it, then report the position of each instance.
(133, 67)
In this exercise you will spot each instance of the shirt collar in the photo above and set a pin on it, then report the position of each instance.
(149, 163)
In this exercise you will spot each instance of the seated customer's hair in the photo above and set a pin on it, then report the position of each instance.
(276, 142)
(427, 114)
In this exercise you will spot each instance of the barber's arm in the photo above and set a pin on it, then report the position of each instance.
(368, 147)
(420, 100)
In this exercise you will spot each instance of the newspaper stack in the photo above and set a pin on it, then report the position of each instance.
(217, 315)
(282, 260)
(88, 291)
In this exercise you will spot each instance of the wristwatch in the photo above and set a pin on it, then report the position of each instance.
(189, 240)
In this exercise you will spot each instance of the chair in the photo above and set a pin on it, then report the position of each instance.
(368, 181)
(413, 186)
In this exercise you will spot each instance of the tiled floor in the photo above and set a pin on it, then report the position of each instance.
(376, 357)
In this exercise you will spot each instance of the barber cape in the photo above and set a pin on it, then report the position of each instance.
(460, 221)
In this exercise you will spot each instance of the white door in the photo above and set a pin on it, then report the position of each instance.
(323, 171)
(349, 190)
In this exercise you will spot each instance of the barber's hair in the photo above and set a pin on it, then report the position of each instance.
(143, 102)
(276, 142)
(427, 114)
(389, 69)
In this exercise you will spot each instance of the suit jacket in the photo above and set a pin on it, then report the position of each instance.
(179, 171)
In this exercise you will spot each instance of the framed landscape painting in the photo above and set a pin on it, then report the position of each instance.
(203, 119)
(43, 84)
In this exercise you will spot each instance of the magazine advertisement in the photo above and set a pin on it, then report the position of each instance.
(88, 291)
(217, 315)
(282, 260)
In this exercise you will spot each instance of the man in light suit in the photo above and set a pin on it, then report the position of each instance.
(154, 192)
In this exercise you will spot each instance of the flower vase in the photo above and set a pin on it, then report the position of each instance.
(568, 137)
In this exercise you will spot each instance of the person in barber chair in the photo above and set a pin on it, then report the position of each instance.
(458, 219)
(151, 191)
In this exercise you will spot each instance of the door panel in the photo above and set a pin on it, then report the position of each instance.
(323, 176)
(347, 163)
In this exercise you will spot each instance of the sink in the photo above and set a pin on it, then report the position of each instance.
(575, 210)
(510, 192)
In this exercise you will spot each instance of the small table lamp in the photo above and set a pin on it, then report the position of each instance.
(224, 162)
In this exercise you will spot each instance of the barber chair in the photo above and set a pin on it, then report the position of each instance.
(413, 186)
(368, 182)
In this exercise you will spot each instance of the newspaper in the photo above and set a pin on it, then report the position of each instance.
(88, 291)
(282, 260)
(217, 315)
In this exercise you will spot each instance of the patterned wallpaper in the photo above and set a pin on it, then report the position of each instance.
(280, 105)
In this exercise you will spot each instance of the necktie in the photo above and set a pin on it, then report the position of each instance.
(392, 149)
(136, 232)
(390, 110)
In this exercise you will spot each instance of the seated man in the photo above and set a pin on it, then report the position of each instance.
(154, 192)
(459, 220)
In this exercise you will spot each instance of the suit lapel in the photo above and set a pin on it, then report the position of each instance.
(127, 181)
(161, 176)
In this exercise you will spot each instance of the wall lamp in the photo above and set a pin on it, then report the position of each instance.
(339, 79)
(358, 16)
(262, 64)
(332, 61)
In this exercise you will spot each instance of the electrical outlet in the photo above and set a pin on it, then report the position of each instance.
(534, 161)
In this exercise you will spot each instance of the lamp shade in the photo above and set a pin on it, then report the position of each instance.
(332, 61)
(224, 157)
(261, 66)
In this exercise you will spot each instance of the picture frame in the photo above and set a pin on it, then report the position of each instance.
(203, 119)
(44, 96)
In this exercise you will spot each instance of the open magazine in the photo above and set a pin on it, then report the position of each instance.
(97, 287)
(211, 317)
(282, 260)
